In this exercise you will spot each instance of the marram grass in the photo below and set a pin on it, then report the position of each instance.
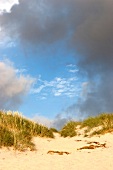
(104, 121)
(69, 129)
(17, 131)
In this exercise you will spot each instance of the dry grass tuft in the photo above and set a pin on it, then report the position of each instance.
(17, 131)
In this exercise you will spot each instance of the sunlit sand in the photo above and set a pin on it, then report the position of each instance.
(62, 153)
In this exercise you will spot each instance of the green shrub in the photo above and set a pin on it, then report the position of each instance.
(69, 129)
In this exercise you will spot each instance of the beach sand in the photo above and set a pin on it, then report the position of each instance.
(62, 154)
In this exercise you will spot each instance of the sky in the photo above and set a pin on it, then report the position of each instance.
(56, 59)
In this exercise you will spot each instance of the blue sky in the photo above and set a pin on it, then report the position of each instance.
(55, 57)
(56, 83)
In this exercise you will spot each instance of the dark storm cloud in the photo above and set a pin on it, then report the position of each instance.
(94, 99)
(34, 22)
(87, 28)
(85, 24)
(94, 37)
(60, 121)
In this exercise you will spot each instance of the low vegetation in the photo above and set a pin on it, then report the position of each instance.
(69, 129)
(17, 131)
(100, 124)
(54, 130)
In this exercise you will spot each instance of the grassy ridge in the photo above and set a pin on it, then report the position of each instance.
(69, 129)
(17, 131)
(104, 120)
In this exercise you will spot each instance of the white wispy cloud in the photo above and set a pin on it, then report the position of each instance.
(20, 71)
(59, 86)
(73, 70)
(71, 65)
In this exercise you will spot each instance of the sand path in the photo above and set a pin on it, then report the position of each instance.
(86, 159)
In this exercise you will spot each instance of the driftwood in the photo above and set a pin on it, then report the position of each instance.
(78, 140)
(58, 152)
(97, 145)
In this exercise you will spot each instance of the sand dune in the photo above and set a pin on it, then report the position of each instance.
(62, 154)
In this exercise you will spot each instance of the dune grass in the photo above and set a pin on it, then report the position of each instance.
(6, 137)
(104, 120)
(17, 131)
(69, 129)
(54, 130)
(101, 124)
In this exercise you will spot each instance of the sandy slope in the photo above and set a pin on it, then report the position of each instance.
(86, 159)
